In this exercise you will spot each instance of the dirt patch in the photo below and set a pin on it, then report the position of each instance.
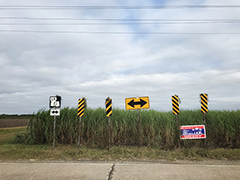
(13, 122)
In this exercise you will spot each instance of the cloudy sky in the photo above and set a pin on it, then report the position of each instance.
(120, 49)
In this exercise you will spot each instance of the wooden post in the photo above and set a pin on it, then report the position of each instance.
(79, 131)
(139, 128)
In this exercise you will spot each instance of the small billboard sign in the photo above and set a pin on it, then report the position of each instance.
(193, 132)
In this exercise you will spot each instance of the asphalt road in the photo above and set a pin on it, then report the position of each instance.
(117, 171)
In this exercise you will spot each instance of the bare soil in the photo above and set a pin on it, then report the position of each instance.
(13, 122)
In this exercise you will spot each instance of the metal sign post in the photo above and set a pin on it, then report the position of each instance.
(178, 131)
(79, 129)
(109, 133)
(54, 112)
(205, 124)
(139, 128)
(54, 127)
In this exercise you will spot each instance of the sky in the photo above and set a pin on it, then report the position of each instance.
(101, 52)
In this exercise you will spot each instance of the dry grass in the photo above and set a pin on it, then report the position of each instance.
(8, 134)
(116, 153)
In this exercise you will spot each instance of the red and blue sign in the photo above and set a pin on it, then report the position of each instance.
(193, 132)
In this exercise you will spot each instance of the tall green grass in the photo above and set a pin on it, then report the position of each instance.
(158, 129)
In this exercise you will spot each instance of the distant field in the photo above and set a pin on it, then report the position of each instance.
(13, 122)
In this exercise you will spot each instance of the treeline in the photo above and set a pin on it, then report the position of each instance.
(158, 129)
(16, 116)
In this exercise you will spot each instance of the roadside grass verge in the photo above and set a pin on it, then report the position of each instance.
(10, 150)
(122, 153)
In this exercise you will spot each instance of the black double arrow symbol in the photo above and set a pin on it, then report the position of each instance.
(141, 103)
(55, 112)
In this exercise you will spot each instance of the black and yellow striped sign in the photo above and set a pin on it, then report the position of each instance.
(81, 105)
(204, 103)
(175, 105)
(108, 107)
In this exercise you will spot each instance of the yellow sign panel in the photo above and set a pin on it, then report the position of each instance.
(175, 104)
(204, 103)
(108, 107)
(137, 103)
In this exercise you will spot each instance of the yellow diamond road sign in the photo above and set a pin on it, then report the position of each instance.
(137, 103)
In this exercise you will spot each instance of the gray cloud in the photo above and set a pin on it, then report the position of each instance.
(34, 66)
